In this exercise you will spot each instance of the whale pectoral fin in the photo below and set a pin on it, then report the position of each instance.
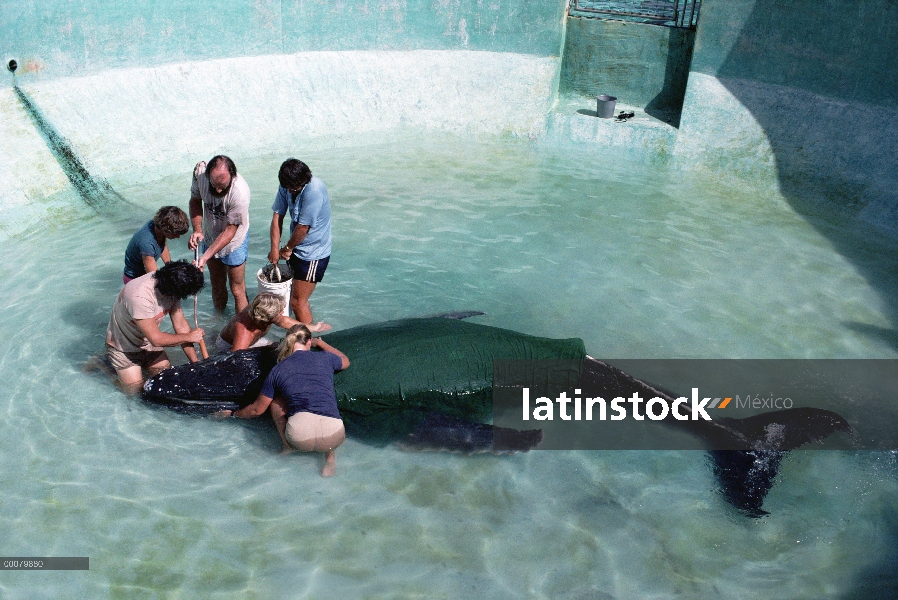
(745, 476)
(439, 432)
(203, 408)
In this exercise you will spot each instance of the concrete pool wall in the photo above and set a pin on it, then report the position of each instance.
(799, 98)
(148, 88)
(809, 87)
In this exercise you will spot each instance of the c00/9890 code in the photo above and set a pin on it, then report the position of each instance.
(23, 564)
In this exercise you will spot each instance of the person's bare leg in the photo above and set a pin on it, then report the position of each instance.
(158, 366)
(330, 464)
(279, 416)
(130, 380)
(99, 362)
(218, 276)
(237, 280)
(300, 292)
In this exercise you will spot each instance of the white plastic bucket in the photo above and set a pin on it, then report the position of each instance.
(281, 289)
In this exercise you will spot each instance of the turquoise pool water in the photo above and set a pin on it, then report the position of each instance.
(550, 241)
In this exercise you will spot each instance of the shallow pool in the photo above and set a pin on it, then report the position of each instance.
(548, 241)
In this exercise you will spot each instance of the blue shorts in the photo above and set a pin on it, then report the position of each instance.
(235, 258)
(308, 270)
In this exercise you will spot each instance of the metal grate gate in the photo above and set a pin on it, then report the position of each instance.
(670, 13)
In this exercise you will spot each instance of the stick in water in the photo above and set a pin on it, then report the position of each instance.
(196, 259)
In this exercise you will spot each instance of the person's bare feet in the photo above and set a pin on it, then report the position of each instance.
(330, 464)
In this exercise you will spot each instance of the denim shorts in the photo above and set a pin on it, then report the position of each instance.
(236, 257)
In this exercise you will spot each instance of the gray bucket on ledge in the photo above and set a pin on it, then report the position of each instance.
(605, 106)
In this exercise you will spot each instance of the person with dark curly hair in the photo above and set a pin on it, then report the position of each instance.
(148, 244)
(133, 338)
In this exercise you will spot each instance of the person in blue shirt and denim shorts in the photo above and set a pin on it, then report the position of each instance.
(308, 249)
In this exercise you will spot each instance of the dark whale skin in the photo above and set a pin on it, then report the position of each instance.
(427, 383)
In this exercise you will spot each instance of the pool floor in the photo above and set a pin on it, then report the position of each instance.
(550, 241)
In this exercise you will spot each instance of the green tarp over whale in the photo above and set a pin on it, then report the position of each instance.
(402, 370)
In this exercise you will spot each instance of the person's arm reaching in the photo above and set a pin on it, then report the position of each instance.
(157, 337)
(149, 263)
(277, 228)
(286, 322)
(196, 208)
(299, 234)
(223, 239)
(251, 410)
(182, 327)
(319, 343)
(196, 219)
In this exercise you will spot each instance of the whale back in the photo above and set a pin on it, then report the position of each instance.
(402, 370)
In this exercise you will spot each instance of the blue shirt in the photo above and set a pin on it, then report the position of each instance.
(306, 381)
(313, 208)
(143, 243)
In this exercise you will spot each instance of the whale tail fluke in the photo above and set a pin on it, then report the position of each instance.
(785, 430)
(745, 476)
(442, 433)
(745, 453)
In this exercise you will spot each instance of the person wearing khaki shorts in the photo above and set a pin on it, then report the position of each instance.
(134, 341)
(308, 432)
(300, 392)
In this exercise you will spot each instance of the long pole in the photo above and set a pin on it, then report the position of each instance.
(196, 258)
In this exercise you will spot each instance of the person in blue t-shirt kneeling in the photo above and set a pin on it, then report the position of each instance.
(300, 391)
(149, 243)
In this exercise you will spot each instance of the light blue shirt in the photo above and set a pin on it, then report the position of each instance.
(313, 208)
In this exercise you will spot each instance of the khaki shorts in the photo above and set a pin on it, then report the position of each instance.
(309, 432)
(125, 360)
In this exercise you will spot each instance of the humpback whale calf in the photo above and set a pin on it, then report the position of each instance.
(427, 383)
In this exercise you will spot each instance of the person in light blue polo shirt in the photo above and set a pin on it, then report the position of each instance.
(308, 249)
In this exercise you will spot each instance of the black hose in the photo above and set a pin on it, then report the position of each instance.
(94, 192)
